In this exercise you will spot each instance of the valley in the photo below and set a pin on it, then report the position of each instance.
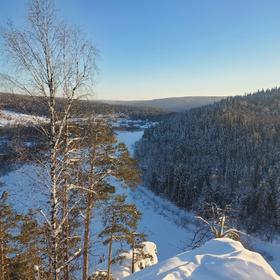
(171, 228)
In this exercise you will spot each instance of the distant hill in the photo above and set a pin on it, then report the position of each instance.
(37, 106)
(173, 104)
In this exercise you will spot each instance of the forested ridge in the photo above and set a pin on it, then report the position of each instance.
(227, 153)
(37, 105)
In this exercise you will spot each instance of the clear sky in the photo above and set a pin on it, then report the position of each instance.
(161, 48)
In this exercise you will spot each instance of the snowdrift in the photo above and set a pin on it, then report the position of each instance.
(218, 259)
(10, 118)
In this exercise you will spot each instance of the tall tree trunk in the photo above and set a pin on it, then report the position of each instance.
(109, 258)
(2, 259)
(36, 273)
(133, 255)
(66, 233)
(87, 236)
(53, 195)
(87, 220)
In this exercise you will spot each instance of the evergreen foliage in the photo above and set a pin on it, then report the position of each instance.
(120, 222)
(227, 153)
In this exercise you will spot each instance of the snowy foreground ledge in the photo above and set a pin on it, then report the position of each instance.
(216, 260)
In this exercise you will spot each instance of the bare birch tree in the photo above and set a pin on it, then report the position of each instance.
(51, 60)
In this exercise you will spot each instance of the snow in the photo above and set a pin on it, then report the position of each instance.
(132, 124)
(122, 270)
(25, 187)
(218, 259)
(129, 138)
(10, 118)
(269, 250)
(161, 220)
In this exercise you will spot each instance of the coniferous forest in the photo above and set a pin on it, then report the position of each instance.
(227, 153)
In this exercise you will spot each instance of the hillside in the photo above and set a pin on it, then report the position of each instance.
(218, 259)
(227, 153)
(37, 105)
(173, 104)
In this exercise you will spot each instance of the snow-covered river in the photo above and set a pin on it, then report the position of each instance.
(161, 219)
(129, 138)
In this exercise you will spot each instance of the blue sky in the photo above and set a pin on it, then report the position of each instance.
(161, 48)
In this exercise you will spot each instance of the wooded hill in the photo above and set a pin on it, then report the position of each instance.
(172, 104)
(35, 105)
(227, 153)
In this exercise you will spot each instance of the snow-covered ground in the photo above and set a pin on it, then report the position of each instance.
(169, 227)
(129, 138)
(132, 124)
(218, 259)
(10, 118)
(26, 187)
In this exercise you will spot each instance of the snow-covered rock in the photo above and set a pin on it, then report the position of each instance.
(218, 259)
(122, 268)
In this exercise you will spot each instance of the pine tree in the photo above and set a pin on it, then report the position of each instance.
(120, 221)
(8, 225)
(105, 158)
(137, 248)
(30, 250)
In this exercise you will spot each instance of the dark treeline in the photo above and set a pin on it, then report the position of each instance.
(227, 153)
(19, 145)
(37, 105)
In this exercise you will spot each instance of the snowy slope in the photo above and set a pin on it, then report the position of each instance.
(160, 218)
(129, 138)
(10, 118)
(218, 259)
